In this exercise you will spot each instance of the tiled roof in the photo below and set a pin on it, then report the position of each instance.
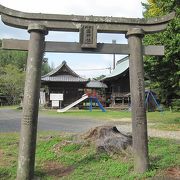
(96, 84)
(63, 78)
(62, 67)
(122, 66)
(63, 73)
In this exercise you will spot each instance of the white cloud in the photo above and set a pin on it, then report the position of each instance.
(128, 8)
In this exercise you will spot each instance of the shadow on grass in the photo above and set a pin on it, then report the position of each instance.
(58, 170)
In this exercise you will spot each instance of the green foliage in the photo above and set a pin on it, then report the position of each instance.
(16, 58)
(164, 72)
(71, 147)
(46, 68)
(86, 163)
(11, 83)
(12, 75)
(99, 77)
(95, 114)
(165, 120)
(117, 169)
(12, 67)
(44, 151)
(8, 154)
(176, 105)
(163, 153)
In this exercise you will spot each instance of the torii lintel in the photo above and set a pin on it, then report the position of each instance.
(104, 24)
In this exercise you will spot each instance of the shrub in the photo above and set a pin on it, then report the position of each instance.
(175, 105)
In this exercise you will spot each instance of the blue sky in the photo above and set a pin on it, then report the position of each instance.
(78, 62)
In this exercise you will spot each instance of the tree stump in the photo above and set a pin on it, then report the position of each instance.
(108, 139)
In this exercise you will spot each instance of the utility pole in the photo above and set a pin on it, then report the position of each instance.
(114, 58)
(109, 69)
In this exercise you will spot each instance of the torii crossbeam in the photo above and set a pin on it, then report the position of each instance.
(73, 47)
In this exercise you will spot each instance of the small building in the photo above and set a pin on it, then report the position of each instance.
(65, 81)
(98, 89)
(118, 91)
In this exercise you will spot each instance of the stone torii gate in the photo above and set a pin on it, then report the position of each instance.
(38, 26)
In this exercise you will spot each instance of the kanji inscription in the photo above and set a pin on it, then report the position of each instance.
(88, 36)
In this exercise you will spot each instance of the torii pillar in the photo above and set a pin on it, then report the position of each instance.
(139, 120)
(27, 145)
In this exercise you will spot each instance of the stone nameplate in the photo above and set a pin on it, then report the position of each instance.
(88, 36)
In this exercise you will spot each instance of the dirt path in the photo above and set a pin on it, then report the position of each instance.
(125, 126)
(164, 134)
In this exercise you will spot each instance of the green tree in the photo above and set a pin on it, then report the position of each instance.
(12, 73)
(46, 68)
(164, 71)
(12, 66)
(99, 77)
(16, 58)
(11, 83)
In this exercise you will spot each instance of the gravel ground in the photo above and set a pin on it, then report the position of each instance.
(126, 127)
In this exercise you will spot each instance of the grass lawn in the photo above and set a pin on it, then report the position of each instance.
(58, 159)
(95, 114)
(165, 120)
(9, 107)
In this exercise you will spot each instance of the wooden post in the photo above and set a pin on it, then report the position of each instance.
(139, 121)
(29, 120)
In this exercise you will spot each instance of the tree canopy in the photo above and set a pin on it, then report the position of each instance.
(11, 83)
(16, 58)
(164, 71)
(12, 74)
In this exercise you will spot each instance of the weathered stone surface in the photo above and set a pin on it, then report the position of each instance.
(108, 139)
(137, 88)
(27, 147)
(74, 47)
(73, 23)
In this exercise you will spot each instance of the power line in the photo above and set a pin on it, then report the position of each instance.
(92, 69)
